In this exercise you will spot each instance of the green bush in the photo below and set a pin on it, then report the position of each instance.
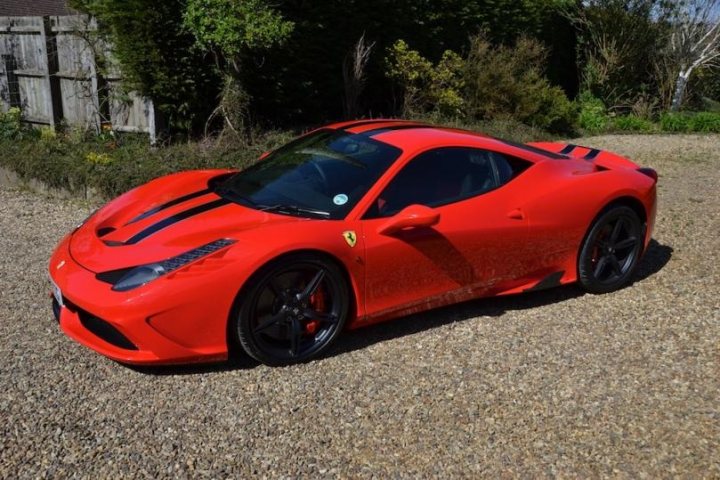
(12, 128)
(593, 115)
(427, 88)
(706, 122)
(509, 82)
(632, 123)
(490, 83)
(113, 167)
(702, 122)
(675, 122)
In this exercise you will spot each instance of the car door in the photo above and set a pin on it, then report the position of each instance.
(477, 243)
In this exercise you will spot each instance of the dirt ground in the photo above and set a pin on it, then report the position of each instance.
(554, 383)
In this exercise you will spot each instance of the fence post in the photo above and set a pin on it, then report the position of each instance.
(53, 82)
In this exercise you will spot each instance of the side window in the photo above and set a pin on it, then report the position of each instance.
(443, 176)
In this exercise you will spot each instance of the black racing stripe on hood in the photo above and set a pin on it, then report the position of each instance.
(169, 204)
(178, 217)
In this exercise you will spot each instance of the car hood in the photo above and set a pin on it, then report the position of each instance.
(162, 219)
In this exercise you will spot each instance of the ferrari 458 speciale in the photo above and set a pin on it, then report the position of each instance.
(349, 225)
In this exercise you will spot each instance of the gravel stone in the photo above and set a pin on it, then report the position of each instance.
(554, 383)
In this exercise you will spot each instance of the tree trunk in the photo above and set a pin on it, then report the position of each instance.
(680, 87)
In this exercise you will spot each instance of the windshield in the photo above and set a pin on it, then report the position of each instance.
(321, 175)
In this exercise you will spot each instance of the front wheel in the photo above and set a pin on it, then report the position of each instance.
(611, 250)
(293, 310)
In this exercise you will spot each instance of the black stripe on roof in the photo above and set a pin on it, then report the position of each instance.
(178, 217)
(369, 122)
(568, 148)
(169, 204)
(535, 150)
(592, 154)
(378, 131)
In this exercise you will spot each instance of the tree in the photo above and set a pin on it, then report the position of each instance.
(695, 42)
(231, 30)
(619, 44)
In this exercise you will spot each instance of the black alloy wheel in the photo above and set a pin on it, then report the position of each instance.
(293, 310)
(611, 251)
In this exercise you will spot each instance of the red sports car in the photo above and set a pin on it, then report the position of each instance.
(346, 226)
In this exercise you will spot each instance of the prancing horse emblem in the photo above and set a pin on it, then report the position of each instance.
(350, 237)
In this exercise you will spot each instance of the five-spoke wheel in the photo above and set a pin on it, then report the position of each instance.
(293, 310)
(611, 250)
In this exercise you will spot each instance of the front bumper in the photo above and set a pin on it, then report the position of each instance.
(151, 325)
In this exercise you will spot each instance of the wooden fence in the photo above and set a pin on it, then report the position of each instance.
(48, 69)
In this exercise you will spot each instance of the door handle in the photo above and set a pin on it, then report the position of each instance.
(516, 214)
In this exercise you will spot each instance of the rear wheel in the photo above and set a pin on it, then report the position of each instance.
(611, 251)
(293, 311)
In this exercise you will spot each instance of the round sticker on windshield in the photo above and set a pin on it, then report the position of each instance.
(340, 199)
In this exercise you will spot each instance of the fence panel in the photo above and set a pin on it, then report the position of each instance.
(48, 69)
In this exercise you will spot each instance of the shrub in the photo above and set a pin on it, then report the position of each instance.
(491, 83)
(115, 167)
(675, 122)
(12, 128)
(632, 123)
(706, 122)
(427, 87)
(509, 82)
(593, 115)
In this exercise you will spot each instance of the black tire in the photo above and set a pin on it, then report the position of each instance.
(292, 310)
(611, 250)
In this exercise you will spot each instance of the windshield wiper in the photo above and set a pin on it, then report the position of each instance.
(294, 210)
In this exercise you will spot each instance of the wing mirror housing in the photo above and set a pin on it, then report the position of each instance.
(413, 216)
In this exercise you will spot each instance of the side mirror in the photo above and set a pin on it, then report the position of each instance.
(264, 154)
(413, 216)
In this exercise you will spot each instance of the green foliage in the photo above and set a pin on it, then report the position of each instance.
(675, 122)
(75, 162)
(706, 122)
(427, 87)
(302, 80)
(593, 114)
(702, 122)
(621, 45)
(632, 123)
(157, 57)
(509, 82)
(10, 126)
(232, 27)
(491, 83)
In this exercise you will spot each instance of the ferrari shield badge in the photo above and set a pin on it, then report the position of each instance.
(350, 237)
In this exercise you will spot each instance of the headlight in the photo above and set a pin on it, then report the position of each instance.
(143, 274)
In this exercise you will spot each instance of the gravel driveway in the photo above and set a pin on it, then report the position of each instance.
(550, 383)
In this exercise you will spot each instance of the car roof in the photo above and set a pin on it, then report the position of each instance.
(415, 136)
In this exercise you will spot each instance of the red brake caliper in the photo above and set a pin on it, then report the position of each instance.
(317, 303)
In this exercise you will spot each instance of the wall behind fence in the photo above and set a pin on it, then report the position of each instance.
(48, 69)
